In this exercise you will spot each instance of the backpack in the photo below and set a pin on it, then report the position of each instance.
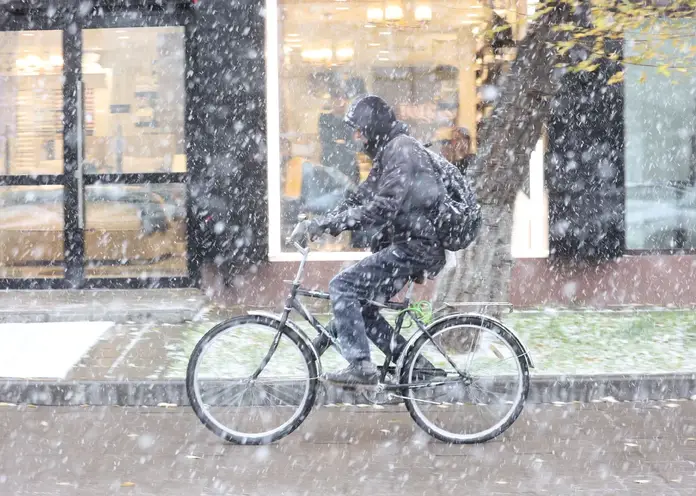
(458, 216)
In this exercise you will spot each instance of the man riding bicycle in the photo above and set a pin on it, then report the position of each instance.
(399, 197)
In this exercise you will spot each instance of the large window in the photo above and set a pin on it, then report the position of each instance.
(660, 130)
(131, 121)
(31, 102)
(424, 58)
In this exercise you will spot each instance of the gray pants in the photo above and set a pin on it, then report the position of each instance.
(378, 277)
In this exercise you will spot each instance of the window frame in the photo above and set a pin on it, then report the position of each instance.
(273, 158)
(275, 247)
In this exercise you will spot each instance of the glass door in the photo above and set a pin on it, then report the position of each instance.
(93, 168)
(132, 168)
(33, 88)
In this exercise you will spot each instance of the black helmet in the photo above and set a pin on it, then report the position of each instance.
(373, 117)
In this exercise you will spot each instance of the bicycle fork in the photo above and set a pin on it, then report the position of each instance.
(289, 303)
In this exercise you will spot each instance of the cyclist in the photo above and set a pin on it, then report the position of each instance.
(399, 198)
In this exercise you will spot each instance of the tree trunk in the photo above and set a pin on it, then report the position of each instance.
(508, 137)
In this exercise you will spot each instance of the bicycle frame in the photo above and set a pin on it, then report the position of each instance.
(292, 303)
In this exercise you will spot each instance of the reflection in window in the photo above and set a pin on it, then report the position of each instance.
(135, 230)
(420, 58)
(660, 130)
(134, 100)
(31, 231)
(31, 102)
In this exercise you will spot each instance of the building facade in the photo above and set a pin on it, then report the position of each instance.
(151, 143)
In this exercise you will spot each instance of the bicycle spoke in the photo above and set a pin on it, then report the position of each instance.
(494, 384)
(268, 388)
(512, 357)
(262, 378)
(473, 347)
(484, 390)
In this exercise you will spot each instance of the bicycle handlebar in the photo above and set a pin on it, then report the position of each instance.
(304, 250)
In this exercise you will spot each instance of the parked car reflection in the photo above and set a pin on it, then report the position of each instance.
(660, 216)
(123, 225)
(313, 189)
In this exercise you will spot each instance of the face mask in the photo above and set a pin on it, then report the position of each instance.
(359, 143)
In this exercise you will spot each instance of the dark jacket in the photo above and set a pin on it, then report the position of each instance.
(399, 195)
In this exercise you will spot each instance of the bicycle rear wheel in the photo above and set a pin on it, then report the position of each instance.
(242, 409)
(480, 406)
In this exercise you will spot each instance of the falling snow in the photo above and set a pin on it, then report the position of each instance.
(173, 173)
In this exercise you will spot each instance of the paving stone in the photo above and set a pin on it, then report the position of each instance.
(339, 451)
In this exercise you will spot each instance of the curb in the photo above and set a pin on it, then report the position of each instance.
(168, 306)
(172, 315)
(543, 389)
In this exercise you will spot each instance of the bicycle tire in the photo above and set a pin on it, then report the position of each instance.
(251, 439)
(413, 353)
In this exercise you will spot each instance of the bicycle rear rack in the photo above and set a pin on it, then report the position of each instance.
(475, 304)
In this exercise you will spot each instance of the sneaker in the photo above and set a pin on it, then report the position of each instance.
(356, 374)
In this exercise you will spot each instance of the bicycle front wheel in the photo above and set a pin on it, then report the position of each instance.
(234, 404)
(478, 387)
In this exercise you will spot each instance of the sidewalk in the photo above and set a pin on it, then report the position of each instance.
(132, 348)
(625, 449)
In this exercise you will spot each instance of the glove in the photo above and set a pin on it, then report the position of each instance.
(306, 230)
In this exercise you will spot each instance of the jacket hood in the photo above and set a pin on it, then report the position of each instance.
(376, 120)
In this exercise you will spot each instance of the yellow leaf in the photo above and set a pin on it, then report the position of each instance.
(541, 12)
(565, 27)
(662, 69)
(643, 78)
(128, 484)
(616, 78)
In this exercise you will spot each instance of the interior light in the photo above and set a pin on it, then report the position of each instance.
(374, 14)
(317, 55)
(393, 13)
(423, 13)
(345, 53)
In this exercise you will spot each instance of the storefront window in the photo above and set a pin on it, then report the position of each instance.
(134, 100)
(31, 102)
(421, 57)
(660, 130)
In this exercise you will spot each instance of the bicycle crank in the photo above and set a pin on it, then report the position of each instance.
(375, 394)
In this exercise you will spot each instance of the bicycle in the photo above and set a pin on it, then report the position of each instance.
(285, 399)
